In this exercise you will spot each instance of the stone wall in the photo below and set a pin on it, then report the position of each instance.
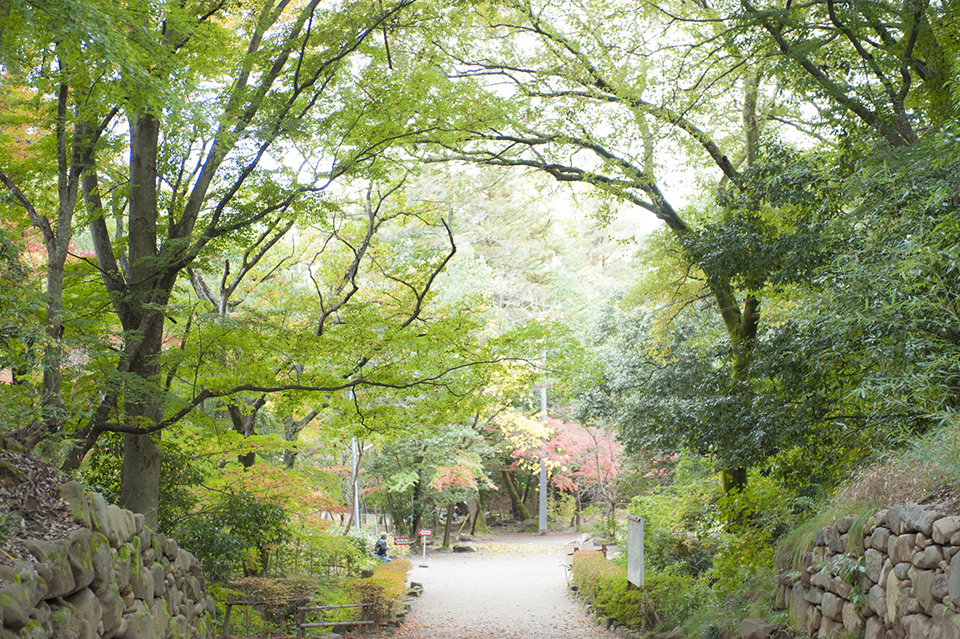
(896, 577)
(113, 577)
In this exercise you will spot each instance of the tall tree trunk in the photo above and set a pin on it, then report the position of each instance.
(478, 518)
(141, 453)
(291, 432)
(446, 528)
(517, 506)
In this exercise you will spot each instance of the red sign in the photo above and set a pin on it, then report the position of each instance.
(425, 532)
(401, 541)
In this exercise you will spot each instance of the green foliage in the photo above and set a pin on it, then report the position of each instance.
(680, 520)
(323, 552)
(181, 472)
(666, 600)
(386, 588)
(239, 532)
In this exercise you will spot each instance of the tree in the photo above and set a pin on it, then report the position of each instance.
(223, 125)
(581, 460)
(590, 92)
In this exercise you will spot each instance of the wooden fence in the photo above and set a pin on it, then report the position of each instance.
(301, 624)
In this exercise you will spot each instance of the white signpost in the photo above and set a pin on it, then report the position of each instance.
(635, 551)
(424, 533)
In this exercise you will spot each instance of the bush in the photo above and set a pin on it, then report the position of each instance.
(385, 588)
(239, 532)
(666, 599)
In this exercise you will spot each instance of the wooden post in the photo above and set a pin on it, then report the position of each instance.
(226, 618)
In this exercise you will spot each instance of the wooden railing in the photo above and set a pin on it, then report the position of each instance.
(302, 610)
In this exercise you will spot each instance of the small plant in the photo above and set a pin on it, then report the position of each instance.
(850, 569)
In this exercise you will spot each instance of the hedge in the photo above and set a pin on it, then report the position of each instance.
(385, 588)
(666, 599)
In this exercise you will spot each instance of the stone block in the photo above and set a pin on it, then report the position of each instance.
(831, 539)
(54, 567)
(877, 599)
(953, 579)
(843, 524)
(829, 628)
(938, 588)
(15, 605)
(104, 562)
(879, 538)
(89, 611)
(852, 621)
(917, 518)
(873, 564)
(929, 559)
(902, 570)
(922, 583)
(832, 606)
(874, 629)
(917, 626)
(798, 604)
(111, 610)
(122, 524)
(902, 547)
(80, 556)
(894, 599)
(78, 502)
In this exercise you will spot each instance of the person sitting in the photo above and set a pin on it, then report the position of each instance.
(380, 548)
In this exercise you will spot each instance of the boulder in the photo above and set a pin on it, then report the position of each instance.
(917, 518)
(465, 546)
(89, 611)
(872, 564)
(80, 556)
(54, 567)
(929, 559)
(922, 583)
(832, 606)
(852, 621)
(901, 548)
(874, 629)
(78, 502)
(15, 604)
(953, 579)
(112, 608)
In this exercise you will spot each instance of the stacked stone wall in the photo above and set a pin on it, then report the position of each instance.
(112, 578)
(896, 577)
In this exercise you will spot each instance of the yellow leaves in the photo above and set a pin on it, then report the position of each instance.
(523, 432)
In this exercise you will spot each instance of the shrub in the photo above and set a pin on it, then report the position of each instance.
(666, 599)
(385, 588)
(239, 532)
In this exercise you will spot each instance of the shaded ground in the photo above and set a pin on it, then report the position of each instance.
(513, 588)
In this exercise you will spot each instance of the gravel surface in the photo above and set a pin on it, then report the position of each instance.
(515, 587)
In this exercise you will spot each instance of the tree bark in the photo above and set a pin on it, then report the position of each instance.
(517, 507)
(141, 453)
(446, 527)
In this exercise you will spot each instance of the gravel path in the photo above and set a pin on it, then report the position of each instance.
(513, 588)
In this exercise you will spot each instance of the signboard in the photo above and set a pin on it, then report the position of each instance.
(635, 551)
(401, 541)
(425, 532)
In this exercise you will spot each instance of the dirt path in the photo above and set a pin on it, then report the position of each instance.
(513, 588)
